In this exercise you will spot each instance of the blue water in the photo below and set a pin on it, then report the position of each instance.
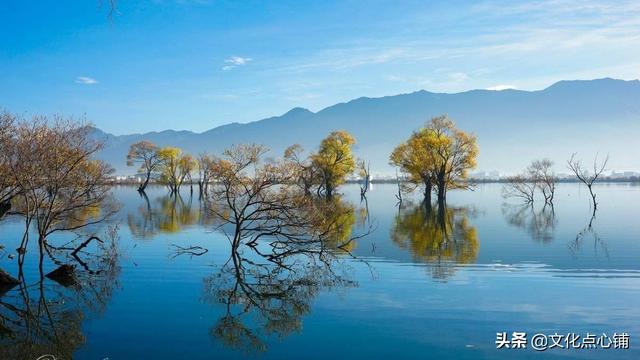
(406, 294)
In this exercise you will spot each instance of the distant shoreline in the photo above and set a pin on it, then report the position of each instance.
(502, 181)
(608, 180)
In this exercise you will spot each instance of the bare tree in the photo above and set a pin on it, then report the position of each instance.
(186, 168)
(365, 172)
(539, 175)
(399, 194)
(586, 177)
(205, 167)
(144, 154)
(258, 200)
(520, 186)
(62, 187)
(544, 177)
(8, 186)
(306, 175)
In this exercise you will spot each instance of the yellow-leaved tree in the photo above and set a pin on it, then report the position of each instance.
(175, 168)
(416, 159)
(334, 160)
(439, 156)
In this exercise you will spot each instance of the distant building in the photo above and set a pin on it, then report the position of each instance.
(624, 174)
(485, 175)
(127, 179)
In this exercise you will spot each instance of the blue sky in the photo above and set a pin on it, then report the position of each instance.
(195, 65)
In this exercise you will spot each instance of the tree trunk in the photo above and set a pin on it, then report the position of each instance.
(145, 183)
(329, 189)
(428, 189)
(593, 197)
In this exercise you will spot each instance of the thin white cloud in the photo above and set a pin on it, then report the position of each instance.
(501, 87)
(85, 80)
(563, 37)
(235, 61)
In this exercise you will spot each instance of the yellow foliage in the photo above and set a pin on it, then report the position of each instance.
(175, 167)
(438, 154)
(334, 159)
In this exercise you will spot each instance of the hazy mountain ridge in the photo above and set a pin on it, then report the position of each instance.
(513, 126)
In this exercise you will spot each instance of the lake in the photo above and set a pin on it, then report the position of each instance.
(419, 283)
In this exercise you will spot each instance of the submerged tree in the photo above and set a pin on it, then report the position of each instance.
(293, 240)
(456, 153)
(269, 292)
(437, 156)
(545, 178)
(520, 186)
(57, 186)
(169, 170)
(538, 176)
(258, 200)
(62, 187)
(8, 186)
(205, 168)
(417, 161)
(364, 170)
(334, 160)
(586, 177)
(145, 154)
(187, 166)
(306, 176)
(176, 168)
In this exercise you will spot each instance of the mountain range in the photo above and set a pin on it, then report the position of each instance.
(513, 127)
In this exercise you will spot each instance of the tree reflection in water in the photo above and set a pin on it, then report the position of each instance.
(589, 232)
(45, 317)
(262, 298)
(539, 224)
(267, 286)
(286, 246)
(440, 237)
(167, 214)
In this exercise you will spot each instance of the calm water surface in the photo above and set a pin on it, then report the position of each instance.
(406, 292)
